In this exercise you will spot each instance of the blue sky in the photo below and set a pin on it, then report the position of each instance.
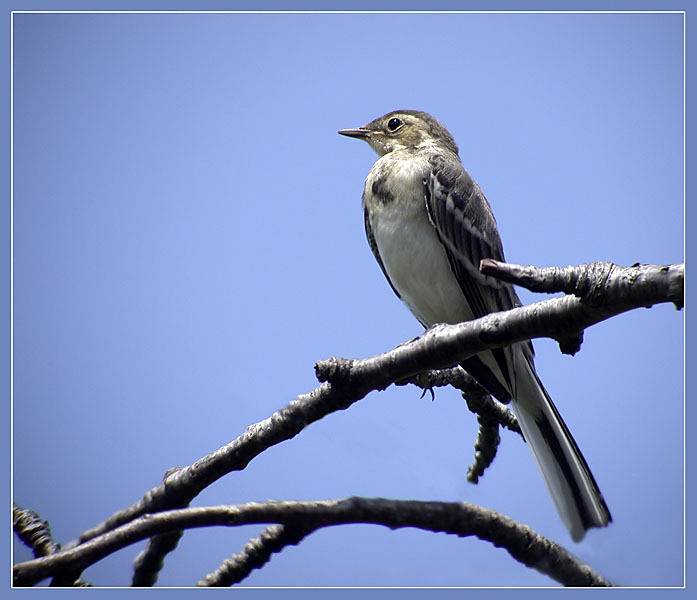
(188, 242)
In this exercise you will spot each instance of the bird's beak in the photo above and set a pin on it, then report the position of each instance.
(359, 133)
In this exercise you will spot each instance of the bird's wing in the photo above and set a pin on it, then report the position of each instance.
(467, 229)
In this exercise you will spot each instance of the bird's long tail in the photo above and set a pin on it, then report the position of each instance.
(569, 480)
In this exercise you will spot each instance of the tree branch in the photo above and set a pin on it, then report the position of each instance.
(458, 518)
(150, 561)
(442, 346)
(256, 553)
(446, 345)
(598, 283)
(34, 532)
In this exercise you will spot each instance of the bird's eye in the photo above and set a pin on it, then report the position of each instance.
(394, 124)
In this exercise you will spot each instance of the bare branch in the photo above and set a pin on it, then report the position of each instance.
(184, 484)
(598, 283)
(442, 346)
(150, 561)
(492, 410)
(485, 448)
(256, 553)
(34, 532)
(460, 519)
(454, 376)
(446, 345)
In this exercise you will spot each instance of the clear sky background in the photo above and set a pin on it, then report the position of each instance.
(188, 242)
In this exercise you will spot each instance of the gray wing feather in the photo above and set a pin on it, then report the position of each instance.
(461, 216)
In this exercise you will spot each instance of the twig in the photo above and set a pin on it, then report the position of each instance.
(256, 553)
(34, 532)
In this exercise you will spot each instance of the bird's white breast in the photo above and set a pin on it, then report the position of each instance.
(409, 248)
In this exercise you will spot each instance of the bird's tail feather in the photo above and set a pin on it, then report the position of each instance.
(569, 480)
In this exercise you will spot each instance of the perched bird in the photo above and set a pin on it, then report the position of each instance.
(429, 225)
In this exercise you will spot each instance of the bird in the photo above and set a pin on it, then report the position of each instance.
(429, 225)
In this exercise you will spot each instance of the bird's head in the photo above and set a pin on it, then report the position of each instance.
(402, 129)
